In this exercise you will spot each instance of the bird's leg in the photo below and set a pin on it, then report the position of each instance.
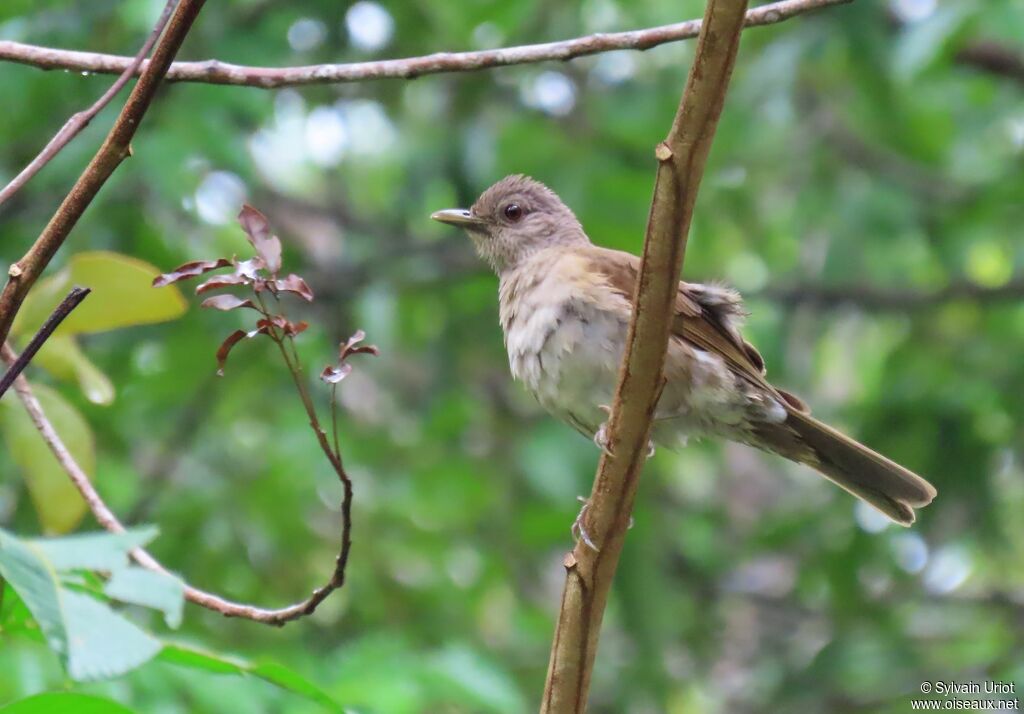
(601, 435)
(578, 530)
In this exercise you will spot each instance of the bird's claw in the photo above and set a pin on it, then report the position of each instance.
(578, 530)
(601, 439)
(601, 436)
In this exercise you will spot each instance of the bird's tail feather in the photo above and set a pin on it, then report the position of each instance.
(892, 489)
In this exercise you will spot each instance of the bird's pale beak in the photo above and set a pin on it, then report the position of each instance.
(457, 217)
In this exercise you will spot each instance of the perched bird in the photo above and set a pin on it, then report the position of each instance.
(565, 305)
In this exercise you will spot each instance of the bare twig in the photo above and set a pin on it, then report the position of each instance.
(994, 58)
(69, 303)
(681, 158)
(80, 120)
(217, 72)
(116, 147)
(106, 518)
(281, 337)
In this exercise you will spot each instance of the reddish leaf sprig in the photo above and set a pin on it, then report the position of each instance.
(260, 274)
(332, 374)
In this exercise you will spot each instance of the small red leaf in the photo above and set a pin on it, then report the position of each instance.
(333, 375)
(226, 302)
(249, 268)
(275, 321)
(221, 281)
(294, 284)
(294, 328)
(225, 348)
(352, 347)
(189, 270)
(257, 228)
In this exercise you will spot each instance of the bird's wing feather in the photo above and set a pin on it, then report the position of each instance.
(706, 316)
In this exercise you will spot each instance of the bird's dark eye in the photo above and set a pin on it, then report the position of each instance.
(513, 212)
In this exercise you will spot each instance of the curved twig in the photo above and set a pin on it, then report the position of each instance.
(109, 521)
(216, 72)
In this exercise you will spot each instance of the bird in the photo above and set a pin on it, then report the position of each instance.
(565, 304)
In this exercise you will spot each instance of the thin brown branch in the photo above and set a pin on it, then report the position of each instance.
(110, 522)
(80, 120)
(216, 72)
(872, 297)
(991, 57)
(333, 457)
(115, 149)
(681, 158)
(69, 303)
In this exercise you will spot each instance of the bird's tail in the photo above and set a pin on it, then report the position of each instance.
(892, 489)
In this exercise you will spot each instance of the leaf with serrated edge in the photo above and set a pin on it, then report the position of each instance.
(101, 642)
(93, 551)
(159, 591)
(35, 581)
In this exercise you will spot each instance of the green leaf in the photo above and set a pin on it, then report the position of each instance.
(102, 642)
(57, 501)
(26, 570)
(276, 674)
(122, 295)
(93, 551)
(159, 591)
(62, 357)
(94, 640)
(65, 703)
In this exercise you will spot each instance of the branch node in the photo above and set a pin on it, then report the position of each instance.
(663, 153)
(569, 562)
(15, 270)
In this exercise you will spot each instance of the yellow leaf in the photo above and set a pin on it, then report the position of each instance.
(59, 505)
(122, 295)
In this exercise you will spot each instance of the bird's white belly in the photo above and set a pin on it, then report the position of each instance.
(567, 355)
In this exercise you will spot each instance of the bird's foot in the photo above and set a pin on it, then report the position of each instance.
(601, 435)
(578, 530)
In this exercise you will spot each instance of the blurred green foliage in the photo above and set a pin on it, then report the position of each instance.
(860, 152)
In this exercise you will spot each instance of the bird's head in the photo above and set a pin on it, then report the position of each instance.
(513, 219)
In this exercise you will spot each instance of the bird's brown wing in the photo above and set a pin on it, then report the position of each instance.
(706, 316)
